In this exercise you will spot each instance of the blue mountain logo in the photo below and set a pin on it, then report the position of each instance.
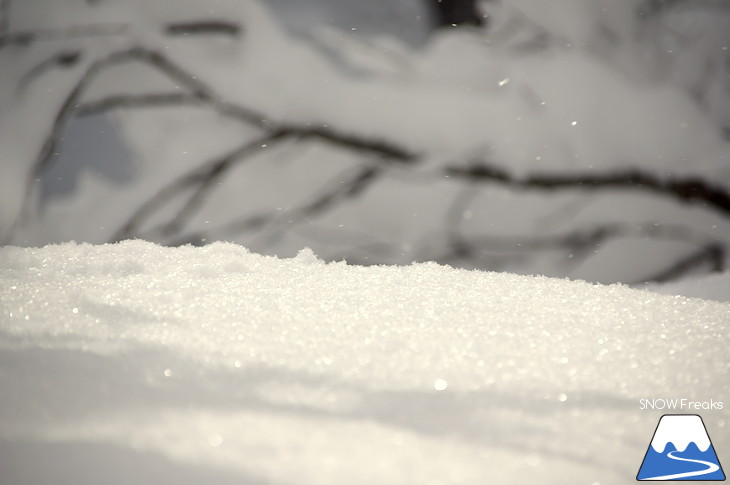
(681, 450)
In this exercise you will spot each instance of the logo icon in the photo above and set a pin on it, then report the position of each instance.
(681, 450)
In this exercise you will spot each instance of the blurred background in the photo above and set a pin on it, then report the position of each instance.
(573, 138)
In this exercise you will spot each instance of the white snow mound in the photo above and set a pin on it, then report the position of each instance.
(134, 363)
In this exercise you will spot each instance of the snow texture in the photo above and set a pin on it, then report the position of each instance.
(135, 363)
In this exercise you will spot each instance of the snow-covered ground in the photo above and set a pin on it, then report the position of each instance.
(134, 363)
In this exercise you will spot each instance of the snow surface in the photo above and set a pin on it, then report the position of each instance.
(135, 363)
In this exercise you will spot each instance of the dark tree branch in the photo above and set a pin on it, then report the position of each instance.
(449, 13)
(125, 101)
(62, 59)
(27, 37)
(203, 27)
(690, 189)
(712, 255)
(4, 17)
(172, 70)
(198, 91)
(686, 189)
(581, 241)
(48, 149)
(203, 177)
(362, 178)
(195, 87)
(215, 173)
(70, 104)
(359, 181)
(653, 7)
(579, 244)
(383, 149)
(72, 101)
(377, 147)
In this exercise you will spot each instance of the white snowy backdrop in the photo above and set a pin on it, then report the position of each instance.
(581, 139)
(570, 138)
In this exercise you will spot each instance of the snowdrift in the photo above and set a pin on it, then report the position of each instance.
(134, 363)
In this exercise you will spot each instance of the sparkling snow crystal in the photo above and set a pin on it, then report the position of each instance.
(134, 363)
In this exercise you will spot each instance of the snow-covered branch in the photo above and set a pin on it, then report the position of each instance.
(206, 79)
(691, 189)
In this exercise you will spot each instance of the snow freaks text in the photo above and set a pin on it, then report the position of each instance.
(679, 405)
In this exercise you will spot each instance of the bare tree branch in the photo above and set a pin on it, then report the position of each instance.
(362, 178)
(373, 146)
(583, 240)
(62, 59)
(204, 93)
(124, 101)
(4, 17)
(712, 255)
(203, 177)
(48, 149)
(65, 111)
(203, 27)
(72, 102)
(199, 92)
(172, 70)
(27, 37)
(354, 184)
(580, 243)
(691, 189)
